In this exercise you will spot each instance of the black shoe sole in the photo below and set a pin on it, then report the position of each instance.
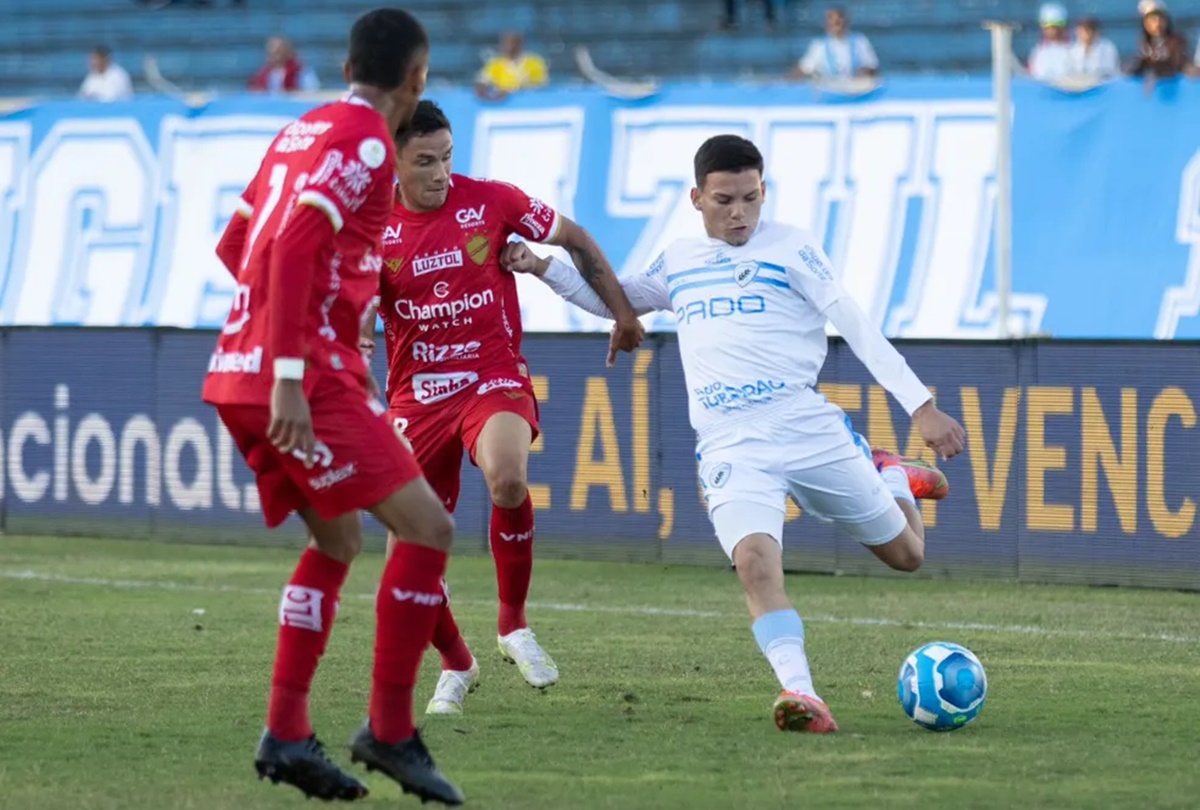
(424, 794)
(267, 770)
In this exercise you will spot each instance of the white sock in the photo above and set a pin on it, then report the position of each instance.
(791, 666)
(897, 484)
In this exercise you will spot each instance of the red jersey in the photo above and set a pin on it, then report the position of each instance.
(450, 313)
(302, 290)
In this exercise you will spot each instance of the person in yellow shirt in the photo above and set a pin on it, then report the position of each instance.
(511, 70)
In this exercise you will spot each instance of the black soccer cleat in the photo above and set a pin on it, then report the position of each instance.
(408, 763)
(305, 765)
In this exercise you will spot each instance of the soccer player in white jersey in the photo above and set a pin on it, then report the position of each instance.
(752, 300)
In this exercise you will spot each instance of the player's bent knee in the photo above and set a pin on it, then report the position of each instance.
(904, 553)
(415, 514)
(759, 561)
(508, 488)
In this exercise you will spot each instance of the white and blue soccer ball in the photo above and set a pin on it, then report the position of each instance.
(942, 686)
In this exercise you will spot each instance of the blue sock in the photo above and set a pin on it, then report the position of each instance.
(780, 624)
(780, 636)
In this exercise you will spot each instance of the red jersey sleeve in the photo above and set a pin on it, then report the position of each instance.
(233, 240)
(341, 179)
(526, 216)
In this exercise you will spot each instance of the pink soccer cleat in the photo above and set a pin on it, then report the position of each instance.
(797, 712)
(925, 480)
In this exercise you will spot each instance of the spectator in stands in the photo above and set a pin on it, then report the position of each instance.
(730, 20)
(1051, 57)
(1162, 51)
(512, 69)
(106, 80)
(283, 71)
(1092, 54)
(840, 54)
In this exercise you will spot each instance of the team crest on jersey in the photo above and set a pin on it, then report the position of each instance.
(478, 248)
(393, 265)
(720, 475)
(745, 272)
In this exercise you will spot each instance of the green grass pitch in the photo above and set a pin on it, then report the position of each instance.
(117, 693)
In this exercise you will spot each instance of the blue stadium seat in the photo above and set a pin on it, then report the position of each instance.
(44, 43)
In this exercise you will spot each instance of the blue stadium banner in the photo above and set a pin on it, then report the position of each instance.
(1080, 462)
(109, 213)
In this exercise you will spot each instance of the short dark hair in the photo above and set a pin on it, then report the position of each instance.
(726, 153)
(102, 50)
(427, 119)
(383, 46)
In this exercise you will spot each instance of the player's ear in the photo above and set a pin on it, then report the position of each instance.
(696, 198)
(762, 189)
(346, 71)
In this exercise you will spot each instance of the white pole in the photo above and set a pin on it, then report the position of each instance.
(1002, 235)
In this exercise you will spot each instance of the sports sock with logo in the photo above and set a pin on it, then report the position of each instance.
(780, 636)
(407, 608)
(448, 640)
(306, 613)
(512, 549)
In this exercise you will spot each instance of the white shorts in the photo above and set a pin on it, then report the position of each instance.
(749, 472)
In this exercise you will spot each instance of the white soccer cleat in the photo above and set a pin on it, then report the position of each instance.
(452, 690)
(520, 647)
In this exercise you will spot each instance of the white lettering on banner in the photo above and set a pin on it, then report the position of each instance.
(14, 158)
(850, 173)
(86, 228)
(1184, 301)
(94, 459)
(206, 164)
(552, 138)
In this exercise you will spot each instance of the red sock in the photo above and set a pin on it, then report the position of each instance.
(407, 608)
(448, 640)
(512, 549)
(306, 614)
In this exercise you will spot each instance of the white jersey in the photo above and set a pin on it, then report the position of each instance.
(751, 322)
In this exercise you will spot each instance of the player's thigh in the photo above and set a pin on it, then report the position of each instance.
(499, 428)
(339, 538)
(277, 494)
(744, 497)
(851, 493)
(414, 514)
(433, 437)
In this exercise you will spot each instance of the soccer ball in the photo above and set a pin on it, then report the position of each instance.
(942, 686)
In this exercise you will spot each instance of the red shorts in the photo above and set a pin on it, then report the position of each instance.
(359, 458)
(440, 431)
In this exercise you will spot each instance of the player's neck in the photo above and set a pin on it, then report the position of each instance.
(414, 207)
(381, 101)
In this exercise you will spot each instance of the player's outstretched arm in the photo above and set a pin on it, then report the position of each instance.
(594, 268)
(644, 293)
(813, 277)
(889, 368)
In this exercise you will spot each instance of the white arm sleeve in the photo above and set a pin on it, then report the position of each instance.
(886, 365)
(645, 291)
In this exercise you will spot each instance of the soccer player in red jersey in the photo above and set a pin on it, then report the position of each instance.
(289, 382)
(456, 377)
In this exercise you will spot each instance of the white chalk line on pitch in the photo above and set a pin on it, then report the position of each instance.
(630, 610)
